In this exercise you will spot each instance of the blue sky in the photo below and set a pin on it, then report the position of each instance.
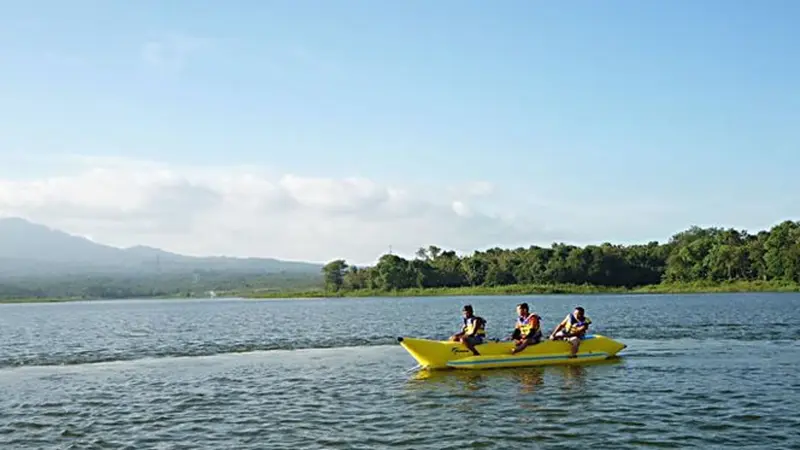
(691, 106)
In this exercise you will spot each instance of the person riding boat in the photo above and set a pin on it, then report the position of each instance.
(572, 329)
(472, 332)
(527, 330)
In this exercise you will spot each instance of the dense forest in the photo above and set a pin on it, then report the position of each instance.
(695, 255)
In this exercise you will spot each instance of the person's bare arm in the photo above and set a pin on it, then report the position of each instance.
(558, 328)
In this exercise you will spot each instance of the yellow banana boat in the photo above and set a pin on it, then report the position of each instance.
(433, 355)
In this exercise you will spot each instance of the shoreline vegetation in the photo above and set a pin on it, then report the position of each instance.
(508, 290)
(698, 260)
(521, 290)
(694, 260)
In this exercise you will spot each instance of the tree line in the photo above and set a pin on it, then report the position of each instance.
(697, 254)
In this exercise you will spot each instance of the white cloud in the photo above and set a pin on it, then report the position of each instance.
(250, 211)
(254, 211)
(461, 209)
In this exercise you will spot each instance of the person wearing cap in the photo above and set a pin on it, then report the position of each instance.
(472, 332)
(572, 329)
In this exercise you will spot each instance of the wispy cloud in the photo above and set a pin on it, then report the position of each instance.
(173, 51)
(254, 211)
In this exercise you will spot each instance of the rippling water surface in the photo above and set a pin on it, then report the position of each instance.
(700, 371)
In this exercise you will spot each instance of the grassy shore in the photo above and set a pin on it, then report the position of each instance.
(514, 289)
(542, 289)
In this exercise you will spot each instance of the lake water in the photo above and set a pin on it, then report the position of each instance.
(700, 371)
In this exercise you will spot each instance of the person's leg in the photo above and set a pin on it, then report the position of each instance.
(559, 336)
(575, 341)
(516, 336)
(521, 345)
(471, 342)
(530, 340)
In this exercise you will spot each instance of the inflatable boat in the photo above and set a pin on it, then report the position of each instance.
(433, 355)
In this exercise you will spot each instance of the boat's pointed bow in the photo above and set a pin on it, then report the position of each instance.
(428, 353)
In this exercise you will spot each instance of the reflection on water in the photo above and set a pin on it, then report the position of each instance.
(473, 380)
(568, 371)
(574, 376)
(528, 378)
(532, 391)
(523, 395)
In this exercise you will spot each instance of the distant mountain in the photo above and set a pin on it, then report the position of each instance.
(28, 248)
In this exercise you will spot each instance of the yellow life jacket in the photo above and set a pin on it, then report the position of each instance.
(571, 322)
(472, 323)
(529, 324)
